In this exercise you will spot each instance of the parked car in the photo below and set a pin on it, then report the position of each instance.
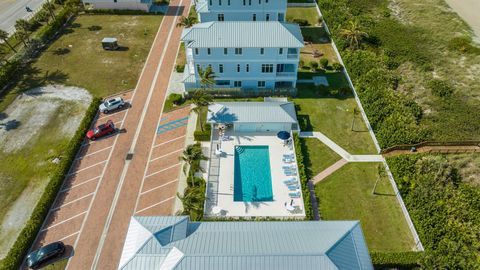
(101, 130)
(111, 104)
(44, 254)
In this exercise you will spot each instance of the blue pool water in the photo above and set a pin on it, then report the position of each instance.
(252, 177)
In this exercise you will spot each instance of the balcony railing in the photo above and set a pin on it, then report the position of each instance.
(287, 74)
(292, 56)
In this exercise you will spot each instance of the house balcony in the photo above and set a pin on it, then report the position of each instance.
(287, 74)
(292, 56)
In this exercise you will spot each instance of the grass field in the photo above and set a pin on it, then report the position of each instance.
(332, 114)
(317, 156)
(306, 13)
(77, 57)
(347, 195)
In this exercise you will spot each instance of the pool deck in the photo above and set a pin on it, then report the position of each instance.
(220, 189)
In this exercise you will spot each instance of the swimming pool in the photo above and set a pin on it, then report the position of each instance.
(252, 176)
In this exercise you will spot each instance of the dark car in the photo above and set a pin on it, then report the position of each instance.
(44, 254)
(102, 130)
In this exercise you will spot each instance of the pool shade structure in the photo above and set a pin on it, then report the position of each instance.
(283, 135)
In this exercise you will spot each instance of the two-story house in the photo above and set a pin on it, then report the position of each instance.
(241, 10)
(245, 55)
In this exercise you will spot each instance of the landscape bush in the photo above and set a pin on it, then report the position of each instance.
(299, 149)
(313, 65)
(324, 63)
(203, 136)
(440, 88)
(19, 250)
(179, 68)
(396, 260)
(444, 210)
(337, 67)
(301, 22)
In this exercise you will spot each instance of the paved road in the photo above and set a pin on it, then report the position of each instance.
(12, 10)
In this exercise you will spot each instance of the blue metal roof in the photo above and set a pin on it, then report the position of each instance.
(249, 245)
(244, 34)
(252, 112)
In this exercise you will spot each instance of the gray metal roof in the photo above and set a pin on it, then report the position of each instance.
(252, 112)
(245, 34)
(250, 245)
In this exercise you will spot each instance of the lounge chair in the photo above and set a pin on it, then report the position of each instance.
(288, 160)
(294, 195)
(291, 155)
(290, 173)
(293, 187)
(288, 167)
(291, 181)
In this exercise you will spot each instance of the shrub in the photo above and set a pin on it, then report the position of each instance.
(324, 63)
(301, 63)
(462, 45)
(25, 239)
(301, 22)
(337, 67)
(440, 88)
(203, 136)
(299, 149)
(398, 260)
(313, 65)
(177, 99)
(179, 68)
(320, 21)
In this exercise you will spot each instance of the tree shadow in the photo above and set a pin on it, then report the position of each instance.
(61, 51)
(76, 25)
(3, 116)
(9, 125)
(56, 76)
(122, 49)
(172, 10)
(94, 28)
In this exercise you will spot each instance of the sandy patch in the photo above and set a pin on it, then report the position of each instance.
(31, 111)
(16, 216)
(469, 11)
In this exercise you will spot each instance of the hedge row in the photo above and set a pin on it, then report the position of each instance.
(202, 136)
(8, 72)
(396, 260)
(15, 256)
(303, 178)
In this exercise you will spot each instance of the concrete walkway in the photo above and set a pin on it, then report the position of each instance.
(346, 157)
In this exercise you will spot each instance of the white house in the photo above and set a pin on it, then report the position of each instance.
(241, 10)
(269, 116)
(243, 55)
(120, 4)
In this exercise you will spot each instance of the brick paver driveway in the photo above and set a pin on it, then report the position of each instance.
(105, 188)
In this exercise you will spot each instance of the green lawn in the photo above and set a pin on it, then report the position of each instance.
(317, 156)
(347, 195)
(306, 13)
(330, 112)
(77, 57)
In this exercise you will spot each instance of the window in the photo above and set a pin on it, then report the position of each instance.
(219, 2)
(244, 2)
(259, 2)
(209, 51)
(225, 51)
(247, 68)
(228, 2)
(210, 66)
(198, 67)
(221, 17)
(262, 51)
(238, 51)
(266, 1)
(254, 17)
(196, 51)
(280, 51)
(261, 84)
(267, 17)
(238, 68)
(281, 17)
(267, 68)
(210, 2)
(249, 2)
(292, 50)
(237, 84)
(220, 68)
(222, 82)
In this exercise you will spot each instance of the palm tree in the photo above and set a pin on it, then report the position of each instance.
(42, 15)
(192, 155)
(201, 100)
(192, 202)
(207, 76)
(23, 36)
(353, 34)
(49, 7)
(4, 38)
(186, 22)
(23, 25)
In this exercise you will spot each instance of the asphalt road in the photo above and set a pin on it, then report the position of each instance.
(12, 10)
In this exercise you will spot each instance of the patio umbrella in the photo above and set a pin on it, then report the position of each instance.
(283, 135)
